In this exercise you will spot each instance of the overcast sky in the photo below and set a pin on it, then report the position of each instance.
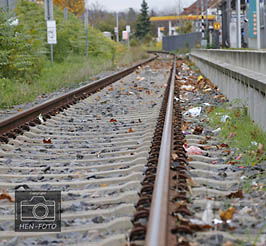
(118, 5)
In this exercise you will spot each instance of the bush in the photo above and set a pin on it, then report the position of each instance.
(24, 47)
(20, 56)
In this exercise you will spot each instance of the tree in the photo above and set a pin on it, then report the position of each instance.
(143, 26)
(74, 6)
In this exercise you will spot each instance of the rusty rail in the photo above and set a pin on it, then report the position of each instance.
(16, 124)
(158, 225)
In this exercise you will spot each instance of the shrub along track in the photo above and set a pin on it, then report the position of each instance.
(91, 145)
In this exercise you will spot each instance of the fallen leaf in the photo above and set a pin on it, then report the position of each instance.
(48, 141)
(111, 89)
(113, 120)
(198, 130)
(174, 156)
(220, 146)
(20, 110)
(260, 150)
(210, 109)
(227, 214)
(103, 185)
(237, 114)
(191, 183)
(238, 194)
(5, 195)
(232, 134)
(185, 126)
(207, 147)
(203, 141)
(226, 152)
(130, 130)
(148, 92)
(231, 162)
(228, 243)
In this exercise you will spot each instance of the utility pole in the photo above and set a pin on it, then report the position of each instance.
(207, 21)
(51, 27)
(258, 23)
(238, 9)
(198, 23)
(202, 19)
(117, 27)
(65, 13)
(180, 23)
(86, 16)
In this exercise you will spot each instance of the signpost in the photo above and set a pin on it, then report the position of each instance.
(86, 16)
(51, 26)
(128, 35)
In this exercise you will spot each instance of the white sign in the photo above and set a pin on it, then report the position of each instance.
(116, 29)
(128, 29)
(51, 32)
(124, 35)
(87, 5)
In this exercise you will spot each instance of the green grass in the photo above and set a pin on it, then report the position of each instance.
(246, 132)
(68, 74)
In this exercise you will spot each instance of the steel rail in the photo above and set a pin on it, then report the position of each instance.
(14, 122)
(157, 224)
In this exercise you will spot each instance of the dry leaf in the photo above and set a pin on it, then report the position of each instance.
(210, 109)
(207, 147)
(111, 89)
(113, 120)
(260, 150)
(130, 130)
(185, 126)
(191, 183)
(103, 185)
(148, 92)
(202, 141)
(220, 146)
(20, 110)
(48, 141)
(5, 195)
(198, 130)
(227, 214)
(232, 134)
(228, 243)
(174, 156)
(238, 194)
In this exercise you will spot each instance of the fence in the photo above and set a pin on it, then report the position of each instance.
(189, 40)
(229, 69)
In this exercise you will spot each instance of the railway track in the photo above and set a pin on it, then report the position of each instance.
(119, 154)
(94, 152)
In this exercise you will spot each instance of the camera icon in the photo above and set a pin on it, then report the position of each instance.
(37, 209)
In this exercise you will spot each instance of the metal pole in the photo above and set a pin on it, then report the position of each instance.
(65, 13)
(207, 21)
(117, 27)
(86, 15)
(258, 24)
(238, 9)
(180, 23)
(202, 19)
(52, 54)
(198, 27)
